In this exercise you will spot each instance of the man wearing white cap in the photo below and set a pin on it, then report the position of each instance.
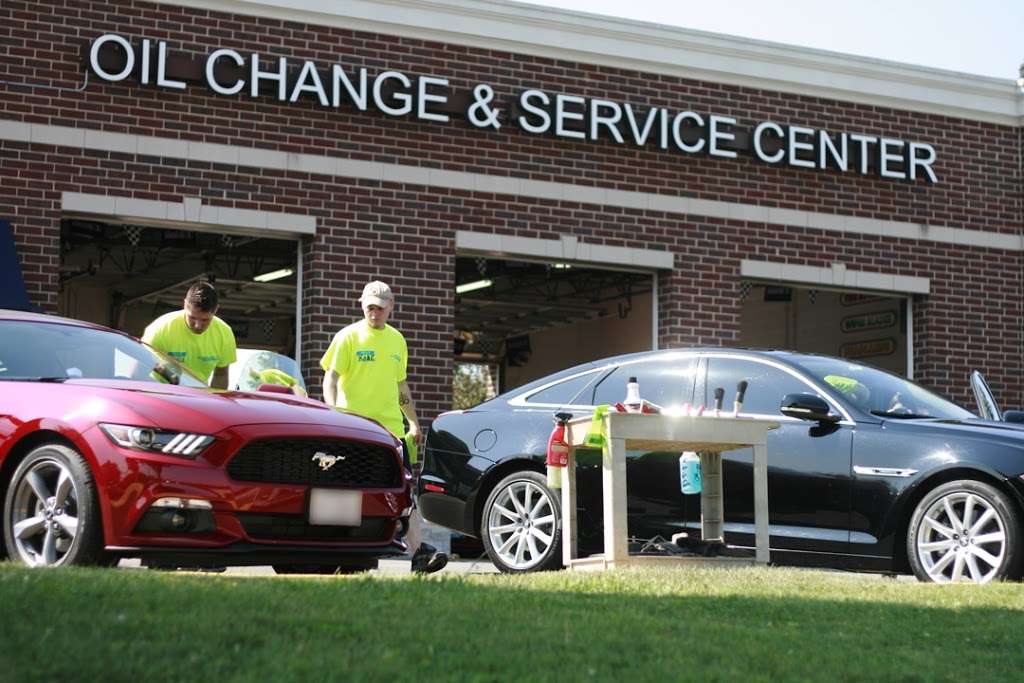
(364, 373)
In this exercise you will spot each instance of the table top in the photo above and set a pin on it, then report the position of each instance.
(656, 431)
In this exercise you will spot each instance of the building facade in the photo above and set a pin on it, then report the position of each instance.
(382, 140)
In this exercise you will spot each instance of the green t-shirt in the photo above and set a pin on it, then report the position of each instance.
(370, 363)
(200, 353)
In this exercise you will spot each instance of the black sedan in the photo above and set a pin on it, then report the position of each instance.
(867, 471)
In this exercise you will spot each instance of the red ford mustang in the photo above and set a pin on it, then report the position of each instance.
(109, 449)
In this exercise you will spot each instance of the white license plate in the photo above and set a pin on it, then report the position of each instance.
(331, 507)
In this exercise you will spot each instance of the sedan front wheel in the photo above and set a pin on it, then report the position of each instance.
(965, 531)
(522, 524)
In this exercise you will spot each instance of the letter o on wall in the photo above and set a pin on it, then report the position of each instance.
(94, 53)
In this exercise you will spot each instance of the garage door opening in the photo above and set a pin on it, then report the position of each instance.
(518, 320)
(863, 326)
(125, 276)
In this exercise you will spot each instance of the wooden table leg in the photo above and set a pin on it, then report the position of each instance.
(569, 532)
(761, 503)
(616, 547)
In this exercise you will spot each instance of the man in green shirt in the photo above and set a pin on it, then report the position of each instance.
(364, 373)
(195, 336)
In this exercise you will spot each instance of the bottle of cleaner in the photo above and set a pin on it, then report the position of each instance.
(689, 473)
(633, 402)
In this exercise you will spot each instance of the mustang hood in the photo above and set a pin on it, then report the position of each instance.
(209, 411)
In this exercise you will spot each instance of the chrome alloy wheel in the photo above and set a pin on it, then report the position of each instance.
(521, 524)
(44, 517)
(962, 537)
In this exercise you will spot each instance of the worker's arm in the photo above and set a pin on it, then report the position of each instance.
(409, 410)
(330, 388)
(220, 378)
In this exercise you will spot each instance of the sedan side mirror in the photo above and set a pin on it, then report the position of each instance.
(1013, 416)
(807, 407)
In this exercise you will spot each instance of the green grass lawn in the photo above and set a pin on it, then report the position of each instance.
(685, 624)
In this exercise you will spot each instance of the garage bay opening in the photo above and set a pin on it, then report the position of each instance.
(125, 276)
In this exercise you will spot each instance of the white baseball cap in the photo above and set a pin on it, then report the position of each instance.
(377, 293)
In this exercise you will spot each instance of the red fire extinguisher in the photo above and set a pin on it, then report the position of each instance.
(558, 451)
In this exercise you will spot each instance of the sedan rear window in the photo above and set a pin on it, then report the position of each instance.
(576, 390)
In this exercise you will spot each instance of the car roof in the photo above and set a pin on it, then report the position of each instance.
(792, 356)
(26, 316)
(787, 357)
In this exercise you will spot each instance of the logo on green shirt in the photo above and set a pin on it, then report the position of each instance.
(365, 356)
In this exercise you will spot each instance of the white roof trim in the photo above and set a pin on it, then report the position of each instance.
(190, 211)
(567, 248)
(836, 276)
(685, 53)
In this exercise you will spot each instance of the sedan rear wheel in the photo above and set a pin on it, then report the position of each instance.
(965, 531)
(522, 524)
(51, 515)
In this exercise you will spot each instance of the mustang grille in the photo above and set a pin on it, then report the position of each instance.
(299, 461)
(296, 528)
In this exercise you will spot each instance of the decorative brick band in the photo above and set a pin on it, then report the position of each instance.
(45, 134)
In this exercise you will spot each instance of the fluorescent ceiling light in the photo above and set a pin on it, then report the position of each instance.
(561, 266)
(472, 286)
(274, 275)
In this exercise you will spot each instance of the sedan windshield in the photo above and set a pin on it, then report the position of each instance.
(879, 392)
(55, 352)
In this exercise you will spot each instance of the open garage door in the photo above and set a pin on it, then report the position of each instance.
(863, 326)
(518, 320)
(125, 276)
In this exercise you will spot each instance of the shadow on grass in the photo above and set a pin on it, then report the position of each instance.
(137, 625)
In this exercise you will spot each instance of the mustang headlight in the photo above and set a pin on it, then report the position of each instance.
(183, 444)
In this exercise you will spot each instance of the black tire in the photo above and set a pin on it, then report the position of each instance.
(349, 567)
(64, 474)
(518, 543)
(942, 548)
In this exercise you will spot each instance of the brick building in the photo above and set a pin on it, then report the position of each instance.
(620, 185)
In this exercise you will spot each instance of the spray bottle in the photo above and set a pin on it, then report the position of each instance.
(558, 451)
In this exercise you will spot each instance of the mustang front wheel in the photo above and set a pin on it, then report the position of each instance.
(52, 515)
(521, 524)
(964, 531)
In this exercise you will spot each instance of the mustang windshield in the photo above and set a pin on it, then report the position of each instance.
(54, 352)
(879, 392)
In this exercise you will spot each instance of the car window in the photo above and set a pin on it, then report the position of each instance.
(879, 392)
(667, 382)
(766, 385)
(54, 351)
(576, 390)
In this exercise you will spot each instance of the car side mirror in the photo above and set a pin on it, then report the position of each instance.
(807, 407)
(1013, 416)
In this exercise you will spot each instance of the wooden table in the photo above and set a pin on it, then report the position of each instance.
(708, 436)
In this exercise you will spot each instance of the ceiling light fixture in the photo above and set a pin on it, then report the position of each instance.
(472, 286)
(274, 275)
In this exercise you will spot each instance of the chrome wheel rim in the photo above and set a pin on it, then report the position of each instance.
(521, 524)
(961, 538)
(44, 517)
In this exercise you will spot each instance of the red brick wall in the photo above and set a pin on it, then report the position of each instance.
(978, 164)
(406, 234)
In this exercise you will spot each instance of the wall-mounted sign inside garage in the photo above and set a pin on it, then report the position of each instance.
(226, 71)
(867, 349)
(868, 321)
